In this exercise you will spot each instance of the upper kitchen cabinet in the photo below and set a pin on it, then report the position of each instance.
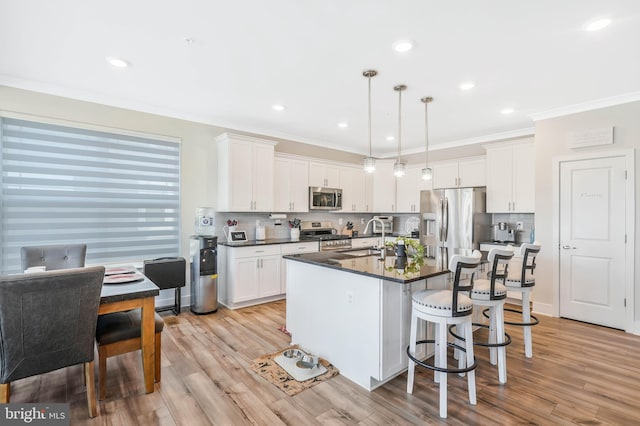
(510, 177)
(355, 197)
(462, 173)
(291, 185)
(384, 188)
(245, 173)
(324, 174)
(408, 190)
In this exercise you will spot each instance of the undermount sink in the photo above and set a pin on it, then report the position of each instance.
(361, 253)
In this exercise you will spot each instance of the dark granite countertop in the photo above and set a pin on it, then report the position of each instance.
(268, 241)
(371, 265)
(120, 292)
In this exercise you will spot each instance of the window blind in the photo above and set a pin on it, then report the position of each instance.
(118, 194)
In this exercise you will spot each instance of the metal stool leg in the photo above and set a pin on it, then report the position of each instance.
(412, 350)
(526, 318)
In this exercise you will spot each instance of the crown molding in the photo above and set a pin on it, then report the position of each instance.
(586, 106)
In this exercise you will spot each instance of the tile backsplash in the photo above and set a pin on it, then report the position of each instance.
(527, 219)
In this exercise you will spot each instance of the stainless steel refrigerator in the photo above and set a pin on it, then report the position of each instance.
(453, 220)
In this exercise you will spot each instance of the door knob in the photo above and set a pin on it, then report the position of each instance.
(569, 247)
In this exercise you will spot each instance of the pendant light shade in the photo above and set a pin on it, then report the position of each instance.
(399, 168)
(427, 172)
(370, 162)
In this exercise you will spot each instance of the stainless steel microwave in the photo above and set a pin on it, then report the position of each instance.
(325, 198)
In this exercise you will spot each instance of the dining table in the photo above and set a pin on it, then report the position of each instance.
(140, 294)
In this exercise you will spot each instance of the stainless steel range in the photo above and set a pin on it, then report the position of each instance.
(325, 233)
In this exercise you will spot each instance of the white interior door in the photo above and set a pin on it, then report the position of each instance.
(592, 241)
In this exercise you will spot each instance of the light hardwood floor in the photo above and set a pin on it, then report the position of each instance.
(579, 374)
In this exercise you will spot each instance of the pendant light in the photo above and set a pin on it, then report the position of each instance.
(427, 172)
(370, 162)
(399, 168)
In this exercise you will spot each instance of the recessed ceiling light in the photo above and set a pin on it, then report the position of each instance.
(278, 107)
(597, 24)
(391, 138)
(343, 125)
(117, 62)
(402, 45)
(507, 111)
(467, 85)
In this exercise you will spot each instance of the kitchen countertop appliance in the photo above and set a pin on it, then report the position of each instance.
(326, 234)
(386, 221)
(453, 218)
(503, 233)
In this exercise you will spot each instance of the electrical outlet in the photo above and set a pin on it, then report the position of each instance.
(349, 297)
(361, 221)
(519, 226)
(339, 221)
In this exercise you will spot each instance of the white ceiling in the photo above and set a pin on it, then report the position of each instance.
(533, 56)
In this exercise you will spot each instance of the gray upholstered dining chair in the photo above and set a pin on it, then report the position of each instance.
(47, 322)
(54, 257)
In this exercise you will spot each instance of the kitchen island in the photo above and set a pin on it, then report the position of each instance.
(354, 309)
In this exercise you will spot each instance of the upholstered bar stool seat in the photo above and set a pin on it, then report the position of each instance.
(521, 278)
(491, 295)
(443, 308)
(118, 333)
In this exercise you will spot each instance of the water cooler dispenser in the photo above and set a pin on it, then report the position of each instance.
(204, 274)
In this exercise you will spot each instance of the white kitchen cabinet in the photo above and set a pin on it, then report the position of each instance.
(324, 175)
(252, 274)
(408, 190)
(294, 248)
(510, 178)
(357, 243)
(245, 173)
(291, 191)
(384, 188)
(354, 188)
(462, 173)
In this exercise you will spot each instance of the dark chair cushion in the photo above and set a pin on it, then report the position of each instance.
(120, 326)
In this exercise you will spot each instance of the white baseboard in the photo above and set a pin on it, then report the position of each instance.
(543, 309)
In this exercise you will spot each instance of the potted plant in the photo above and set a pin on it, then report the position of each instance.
(409, 255)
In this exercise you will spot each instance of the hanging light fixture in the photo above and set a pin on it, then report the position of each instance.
(427, 172)
(399, 168)
(370, 162)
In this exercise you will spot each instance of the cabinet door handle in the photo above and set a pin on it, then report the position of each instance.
(569, 247)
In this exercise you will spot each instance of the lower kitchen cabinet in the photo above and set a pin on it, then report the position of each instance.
(249, 275)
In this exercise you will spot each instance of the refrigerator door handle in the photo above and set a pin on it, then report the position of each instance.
(446, 220)
(441, 221)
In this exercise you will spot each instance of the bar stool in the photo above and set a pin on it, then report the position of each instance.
(445, 307)
(520, 278)
(491, 295)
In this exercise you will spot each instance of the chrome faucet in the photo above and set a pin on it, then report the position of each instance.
(383, 250)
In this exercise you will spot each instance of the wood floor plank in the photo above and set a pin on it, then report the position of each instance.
(579, 374)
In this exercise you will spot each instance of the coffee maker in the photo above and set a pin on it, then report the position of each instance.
(503, 233)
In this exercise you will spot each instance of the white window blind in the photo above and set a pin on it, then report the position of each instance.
(118, 194)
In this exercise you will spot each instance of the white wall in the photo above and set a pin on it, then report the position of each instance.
(551, 141)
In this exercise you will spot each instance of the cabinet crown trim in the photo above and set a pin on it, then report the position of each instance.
(225, 137)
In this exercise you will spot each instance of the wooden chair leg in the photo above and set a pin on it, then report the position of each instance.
(5, 393)
(91, 389)
(158, 356)
(102, 373)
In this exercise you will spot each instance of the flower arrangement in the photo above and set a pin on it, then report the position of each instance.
(232, 222)
(295, 223)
